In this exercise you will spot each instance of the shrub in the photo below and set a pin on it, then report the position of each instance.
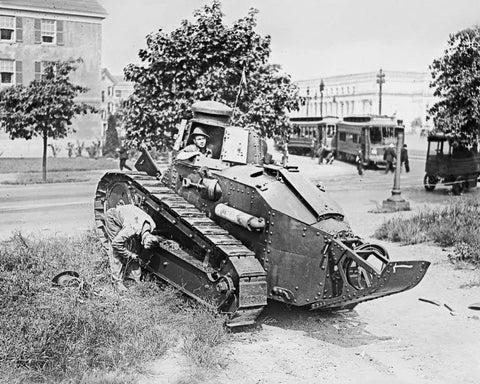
(456, 224)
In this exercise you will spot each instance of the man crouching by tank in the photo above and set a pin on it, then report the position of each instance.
(128, 229)
(199, 146)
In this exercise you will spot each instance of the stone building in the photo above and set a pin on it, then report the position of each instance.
(404, 94)
(115, 91)
(35, 31)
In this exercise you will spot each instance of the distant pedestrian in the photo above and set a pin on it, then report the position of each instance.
(123, 153)
(313, 144)
(404, 158)
(320, 153)
(389, 156)
(285, 153)
(359, 161)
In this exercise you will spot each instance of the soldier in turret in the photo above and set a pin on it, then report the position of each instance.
(198, 147)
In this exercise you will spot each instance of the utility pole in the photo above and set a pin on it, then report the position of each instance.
(380, 81)
(322, 87)
(308, 98)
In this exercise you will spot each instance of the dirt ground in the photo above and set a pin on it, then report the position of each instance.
(397, 339)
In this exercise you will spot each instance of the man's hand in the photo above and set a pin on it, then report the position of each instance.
(149, 240)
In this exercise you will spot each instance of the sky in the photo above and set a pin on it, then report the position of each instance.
(310, 38)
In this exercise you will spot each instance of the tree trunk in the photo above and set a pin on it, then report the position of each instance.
(44, 159)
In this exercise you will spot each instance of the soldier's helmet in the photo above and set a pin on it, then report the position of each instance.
(198, 131)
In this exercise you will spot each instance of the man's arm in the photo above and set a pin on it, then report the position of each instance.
(120, 242)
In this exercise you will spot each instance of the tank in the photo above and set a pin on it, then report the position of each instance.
(241, 230)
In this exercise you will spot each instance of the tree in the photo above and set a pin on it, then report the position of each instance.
(206, 60)
(111, 137)
(43, 108)
(456, 79)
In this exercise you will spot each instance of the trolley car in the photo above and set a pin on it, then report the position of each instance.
(371, 134)
(451, 162)
(309, 132)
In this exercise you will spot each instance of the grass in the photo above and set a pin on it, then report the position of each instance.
(455, 224)
(89, 333)
(55, 164)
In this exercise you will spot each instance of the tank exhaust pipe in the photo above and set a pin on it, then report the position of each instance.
(235, 216)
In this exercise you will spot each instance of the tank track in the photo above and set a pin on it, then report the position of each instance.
(236, 284)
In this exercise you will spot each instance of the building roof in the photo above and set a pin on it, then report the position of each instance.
(116, 79)
(75, 7)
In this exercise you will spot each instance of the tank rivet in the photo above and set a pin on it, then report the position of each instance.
(269, 241)
(308, 300)
(325, 291)
(320, 284)
(295, 300)
(266, 260)
(268, 251)
(319, 293)
(318, 233)
(304, 228)
(303, 234)
(315, 298)
(296, 288)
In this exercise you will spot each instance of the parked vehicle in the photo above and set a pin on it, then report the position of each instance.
(371, 134)
(451, 162)
(305, 129)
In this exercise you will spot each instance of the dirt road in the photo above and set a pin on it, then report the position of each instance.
(397, 339)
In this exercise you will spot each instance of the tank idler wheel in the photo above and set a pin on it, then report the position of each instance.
(429, 182)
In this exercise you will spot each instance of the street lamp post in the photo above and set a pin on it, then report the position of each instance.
(380, 81)
(322, 87)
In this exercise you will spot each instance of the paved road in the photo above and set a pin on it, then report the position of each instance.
(46, 209)
(67, 208)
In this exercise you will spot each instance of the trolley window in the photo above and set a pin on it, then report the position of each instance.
(375, 135)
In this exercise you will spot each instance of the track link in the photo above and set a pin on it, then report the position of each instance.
(203, 260)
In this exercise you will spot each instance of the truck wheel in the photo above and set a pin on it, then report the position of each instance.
(429, 182)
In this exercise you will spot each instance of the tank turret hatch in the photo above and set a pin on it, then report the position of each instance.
(211, 113)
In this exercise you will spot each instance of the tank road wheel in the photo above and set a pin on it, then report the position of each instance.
(109, 194)
(458, 186)
(429, 182)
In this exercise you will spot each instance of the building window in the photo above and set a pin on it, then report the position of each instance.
(118, 94)
(109, 91)
(7, 28)
(48, 31)
(6, 71)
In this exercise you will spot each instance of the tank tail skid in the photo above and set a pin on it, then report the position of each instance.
(365, 273)
(198, 257)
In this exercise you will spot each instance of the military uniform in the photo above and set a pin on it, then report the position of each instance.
(127, 227)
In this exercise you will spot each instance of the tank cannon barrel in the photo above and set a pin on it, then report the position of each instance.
(235, 216)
